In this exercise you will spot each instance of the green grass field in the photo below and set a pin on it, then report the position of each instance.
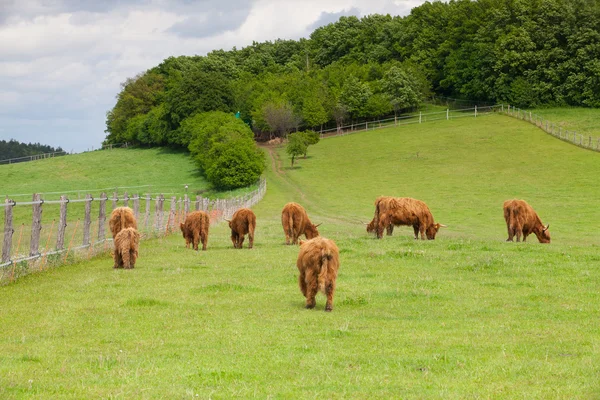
(581, 120)
(465, 316)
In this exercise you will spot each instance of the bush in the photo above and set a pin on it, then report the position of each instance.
(224, 149)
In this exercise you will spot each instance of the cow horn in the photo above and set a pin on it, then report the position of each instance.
(316, 226)
(546, 228)
(443, 226)
(228, 220)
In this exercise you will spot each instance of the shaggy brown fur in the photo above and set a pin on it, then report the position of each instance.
(382, 204)
(242, 222)
(126, 248)
(412, 212)
(295, 223)
(318, 264)
(521, 219)
(121, 218)
(195, 229)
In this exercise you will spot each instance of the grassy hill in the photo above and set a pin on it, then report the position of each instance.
(467, 315)
(156, 170)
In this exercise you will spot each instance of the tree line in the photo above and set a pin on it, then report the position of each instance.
(523, 52)
(15, 149)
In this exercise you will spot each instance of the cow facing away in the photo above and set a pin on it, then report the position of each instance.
(126, 248)
(407, 211)
(121, 218)
(195, 229)
(318, 263)
(241, 223)
(522, 220)
(295, 223)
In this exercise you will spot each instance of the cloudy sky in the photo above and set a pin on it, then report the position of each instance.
(62, 61)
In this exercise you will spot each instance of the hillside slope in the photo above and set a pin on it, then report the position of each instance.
(465, 316)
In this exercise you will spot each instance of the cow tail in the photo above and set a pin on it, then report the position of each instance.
(291, 226)
(322, 277)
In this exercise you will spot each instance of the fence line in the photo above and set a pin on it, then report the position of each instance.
(42, 156)
(587, 142)
(160, 219)
(414, 118)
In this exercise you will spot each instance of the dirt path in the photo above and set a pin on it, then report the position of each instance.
(276, 166)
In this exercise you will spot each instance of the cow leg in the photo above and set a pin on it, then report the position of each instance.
(390, 229)
(312, 287)
(511, 234)
(204, 239)
(196, 240)
(519, 234)
(329, 290)
(132, 259)
(250, 239)
(302, 283)
(117, 258)
(422, 230)
(240, 241)
(234, 239)
(524, 237)
(125, 259)
(416, 229)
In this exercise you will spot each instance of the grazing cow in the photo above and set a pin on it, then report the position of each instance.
(382, 204)
(295, 223)
(121, 218)
(195, 229)
(241, 223)
(126, 248)
(408, 211)
(318, 263)
(521, 219)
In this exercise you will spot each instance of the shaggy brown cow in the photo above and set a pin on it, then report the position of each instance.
(195, 229)
(121, 218)
(408, 211)
(295, 223)
(318, 263)
(241, 223)
(521, 219)
(382, 204)
(126, 248)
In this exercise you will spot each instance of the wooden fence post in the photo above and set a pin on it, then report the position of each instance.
(186, 203)
(102, 217)
(159, 212)
(475, 111)
(87, 221)
(147, 214)
(136, 206)
(198, 201)
(8, 230)
(36, 226)
(114, 200)
(125, 200)
(172, 212)
(447, 113)
(62, 223)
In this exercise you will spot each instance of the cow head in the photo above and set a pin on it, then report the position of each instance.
(432, 230)
(371, 227)
(311, 231)
(544, 235)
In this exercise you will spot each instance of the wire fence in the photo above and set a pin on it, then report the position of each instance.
(586, 141)
(40, 234)
(44, 156)
(413, 118)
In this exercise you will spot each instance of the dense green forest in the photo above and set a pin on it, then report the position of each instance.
(528, 53)
(15, 149)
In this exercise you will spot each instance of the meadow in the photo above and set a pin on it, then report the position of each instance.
(465, 316)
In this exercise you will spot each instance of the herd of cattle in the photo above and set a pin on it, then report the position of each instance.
(318, 260)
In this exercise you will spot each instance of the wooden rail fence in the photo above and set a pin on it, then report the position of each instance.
(76, 234)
